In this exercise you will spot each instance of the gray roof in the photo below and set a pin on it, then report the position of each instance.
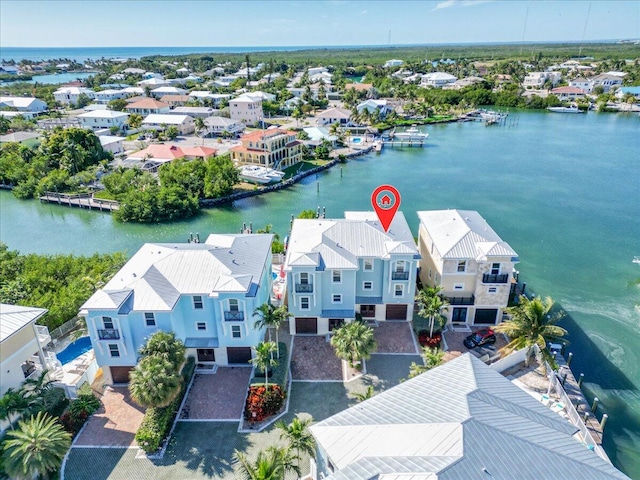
(15, 317)
(462, 420)
(160, 272)
(463, 234)
(337, 244)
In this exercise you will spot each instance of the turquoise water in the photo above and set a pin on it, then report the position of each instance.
(56, 78)
(74, 350)
(563, 190)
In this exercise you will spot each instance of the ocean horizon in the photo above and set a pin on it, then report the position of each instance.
(81, 54)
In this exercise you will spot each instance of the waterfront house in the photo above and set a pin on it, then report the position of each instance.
(204, 292)
(568, 93)
(162, 153)
(334, 115)
(162, 91)
(393, 63)
(462, 254)
(536, 80)
(148, 106)
(193, 112)
(246, 108)
(382, 107)
(133, 71)
(607, 81)
(341, 269)
(217, 125)
(22, 344)
(581, 83)
(462, 83)
(23, 104)
(70, 95)
(98, 119)
(624, 91)
(184, 123)
(105, 96)
(274, 148)
(9, 69)
(437, 79)
(459, 421)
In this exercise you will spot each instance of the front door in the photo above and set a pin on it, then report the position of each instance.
(307, 325)
(206, 355)
(459, 315)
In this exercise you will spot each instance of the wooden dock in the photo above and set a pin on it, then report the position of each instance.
(80, 200)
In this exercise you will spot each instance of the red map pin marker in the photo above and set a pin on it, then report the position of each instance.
(386, 201)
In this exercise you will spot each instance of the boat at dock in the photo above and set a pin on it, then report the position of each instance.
(260, 175)
(571, 109)
(377, 145)
(412, 134)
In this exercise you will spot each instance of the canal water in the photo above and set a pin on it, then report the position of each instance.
(563, 190)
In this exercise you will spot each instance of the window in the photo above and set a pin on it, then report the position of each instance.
(399, 290)
(233, 305)
(337, 298)
(201, 326)
(150, 319)
(400, 266)
(367, 285)
(304, 303)
(197, 302)
(335, 323)
(462, 266)
(493, 289)
(206, 355)
(108, 323)
(458, 286)
(368, 265)
(368, 311)
(113, 350)
(235, 331)
(336, 276)
(495, 269)
(429, 273)
(304, 278)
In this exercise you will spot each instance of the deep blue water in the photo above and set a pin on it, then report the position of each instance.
(74, 350)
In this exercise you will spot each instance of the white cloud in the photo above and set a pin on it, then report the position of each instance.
(459, 3)
(364, 12)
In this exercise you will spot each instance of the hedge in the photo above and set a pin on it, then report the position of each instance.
(156, 423)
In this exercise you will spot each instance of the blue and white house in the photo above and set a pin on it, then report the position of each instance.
(204, 292)
(341, 269)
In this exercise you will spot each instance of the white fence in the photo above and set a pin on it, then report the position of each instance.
(510, 360)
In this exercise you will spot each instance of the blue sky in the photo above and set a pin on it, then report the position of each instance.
(90, 23)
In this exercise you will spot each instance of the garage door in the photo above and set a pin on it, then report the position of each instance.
(239, 355)
(120, 374)
(307, 325)
(396, 312)
(485, 316)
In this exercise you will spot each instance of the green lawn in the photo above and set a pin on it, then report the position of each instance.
(303, 167)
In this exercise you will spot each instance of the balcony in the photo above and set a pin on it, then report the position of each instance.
(501, 278)
(109, 334)
(233, 316)
(462, 300)
(44, 338)
(400, 276)
(304, 287)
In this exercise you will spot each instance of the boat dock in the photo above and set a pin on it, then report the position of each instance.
(80, 200)
(397, 142)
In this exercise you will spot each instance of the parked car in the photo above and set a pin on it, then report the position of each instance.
(484, 336)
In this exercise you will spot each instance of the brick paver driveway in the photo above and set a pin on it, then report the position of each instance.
(313, 358)
(115, 423)
(394, 337)
(218, 396)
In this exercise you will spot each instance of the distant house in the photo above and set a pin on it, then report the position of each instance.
(105, 96)
(162, 91)
(70, 95)
(606, 81)
(343, 268)
(334, 115)
(317, 135)
(272, 148)
(176, 100)
(205, 293)
(225, 81)
(624, 91)
(148, 106)
(393, 63)
(112, 144)
(217, 125)
(314, 89)
(23, 104)
(568, 93)
(153, 83)
(316, 70)
(194, 112)
(9, 69)
(462, 83)
(133, 71)
(382, 107)
(461, 253)
(581, 83)
(216, 99)
(99, 119)
(437, 79)
(183, 123)
(536, 80)
(324, 77)
(133, 91)
(246, 108)
(359, 87)
(460, 421)
(162, 153)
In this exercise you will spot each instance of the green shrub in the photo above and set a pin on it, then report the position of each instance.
(84, 403)
(54, 402)
(278, 372)
(263, 402)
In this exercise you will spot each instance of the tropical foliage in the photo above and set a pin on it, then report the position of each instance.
(154, 382)
(271, 317)
(272, 464)
(432, 358)
(533, 322)
(263, 358)
(353, 342)
(36, 448)
(298, 437)
(431, 303)
(166, 346)
(366, 395)
(263, 401)
(59, 283)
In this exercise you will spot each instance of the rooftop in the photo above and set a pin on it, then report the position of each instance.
(15, 317)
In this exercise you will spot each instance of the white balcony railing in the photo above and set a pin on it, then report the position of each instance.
(44, 338)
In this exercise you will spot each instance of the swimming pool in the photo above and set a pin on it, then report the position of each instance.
(356, 140)
(74, 350)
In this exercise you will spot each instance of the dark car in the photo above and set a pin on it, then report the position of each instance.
(484, 336)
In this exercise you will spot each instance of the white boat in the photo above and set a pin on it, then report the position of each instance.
(261, 175)
(377, 145)
(411, 134)
(572, 109)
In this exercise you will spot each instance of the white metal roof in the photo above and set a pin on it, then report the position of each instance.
(103, 114)
(463, 234)
(339, 243)
(160, 118)
(159, 273)
(15, 317)
(461, 420)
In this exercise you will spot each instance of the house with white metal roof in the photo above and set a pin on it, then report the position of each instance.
(217, 125)
(342, 269)
(437, 79)
(184, 123)
(70, 95)
(459, 421)
(461, 253)
(98, 119)
(23, 104)
(204, 292)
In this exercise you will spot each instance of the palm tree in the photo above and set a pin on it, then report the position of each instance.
(271, 317)
(431, 303)
(298, 436)
(154, 382)
(36, 448)
(270, 465)
(532, 323)
(366, 395)
(432, 358)
(263, 358)
(12, 403)
(200, 126)
(166, 346)
(354, 341)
